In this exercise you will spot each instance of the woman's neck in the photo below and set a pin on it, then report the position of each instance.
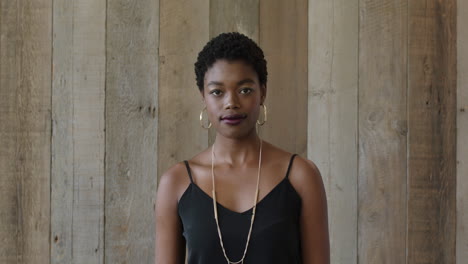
(237, 152)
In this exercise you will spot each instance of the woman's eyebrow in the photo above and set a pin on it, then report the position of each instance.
(248, 80)
(215, 83)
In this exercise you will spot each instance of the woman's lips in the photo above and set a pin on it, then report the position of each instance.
(233, 116)
(233, 121)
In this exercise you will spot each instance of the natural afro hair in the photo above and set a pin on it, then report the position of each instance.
(230, 46)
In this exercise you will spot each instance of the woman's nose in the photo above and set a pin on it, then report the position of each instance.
(232, 101)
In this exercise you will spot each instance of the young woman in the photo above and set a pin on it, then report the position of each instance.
(241, 200)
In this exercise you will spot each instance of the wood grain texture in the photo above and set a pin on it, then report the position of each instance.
(77, 187)
(432, 132)
(10, 183)
(462, 132)
(229, 16)
(132, 30)
(62, 135)
(382, 133)
(180, 134)
(25, 89)
(283, 38)
(332, 116)
(239, 16)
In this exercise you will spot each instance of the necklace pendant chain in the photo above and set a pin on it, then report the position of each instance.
(215, 210)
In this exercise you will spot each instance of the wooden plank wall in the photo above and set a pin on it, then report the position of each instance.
(132, 30)
(462, 132)
(382, 138)
(432, 137)
(240, 16)
(404, 116)
(332, 110)
(98, 98)
(25, 125)
(77, 179)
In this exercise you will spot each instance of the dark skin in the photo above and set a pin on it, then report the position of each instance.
(233, 87)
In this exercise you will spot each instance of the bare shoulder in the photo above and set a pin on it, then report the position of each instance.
(174, 181)
(305, 168)
(169, 243)
(306, 177)
(307, 180)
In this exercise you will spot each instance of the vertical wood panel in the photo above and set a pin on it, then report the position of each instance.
(184, 31)
(229, 16)
(10, 183)
(240, 16)
(332, 122)
(283, 37)
(132, 31)
(62, 134)
(77, 189)
(374, 171)
(432, 138)
(382, 133)
(462, 132)
(25, 71)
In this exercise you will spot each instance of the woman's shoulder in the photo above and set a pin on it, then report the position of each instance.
(174, 172)
(304, 174)
(306, 178)
(305, 167)
(174, 180)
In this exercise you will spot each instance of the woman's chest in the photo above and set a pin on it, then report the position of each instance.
(276, 222)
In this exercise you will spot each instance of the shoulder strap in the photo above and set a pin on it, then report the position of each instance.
(290, 163)
(188, 170)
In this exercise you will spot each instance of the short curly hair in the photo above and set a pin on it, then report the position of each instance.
(230, 46)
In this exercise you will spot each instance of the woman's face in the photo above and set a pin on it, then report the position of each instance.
(232, 94)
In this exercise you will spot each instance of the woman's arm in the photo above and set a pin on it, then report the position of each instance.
(170, 244)
(314, 216)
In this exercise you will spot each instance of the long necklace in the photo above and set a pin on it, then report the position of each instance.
(241, 261)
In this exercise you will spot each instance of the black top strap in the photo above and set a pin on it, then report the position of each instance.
(188, 170)
(290, 163)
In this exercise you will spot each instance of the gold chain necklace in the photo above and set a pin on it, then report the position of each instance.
(216, 211)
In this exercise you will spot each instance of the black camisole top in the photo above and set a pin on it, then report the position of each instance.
(275, 234)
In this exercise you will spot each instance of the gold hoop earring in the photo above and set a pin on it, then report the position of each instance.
(265, 114)
(201, 119)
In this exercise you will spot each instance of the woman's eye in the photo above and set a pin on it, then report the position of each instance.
(247, 90)
(215, 92)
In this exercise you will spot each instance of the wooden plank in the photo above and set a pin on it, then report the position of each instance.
(238, 16)
(382, 127)
(10, 252)
(283, 37)
(62, 140)
(229, 16)
(432, 138)
(25, 70)
(432, 132)
(180, 135)
(332, 116)
(462, 132)
(132, 30)
(77, 193)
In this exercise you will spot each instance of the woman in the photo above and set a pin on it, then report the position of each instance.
(270, 205)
